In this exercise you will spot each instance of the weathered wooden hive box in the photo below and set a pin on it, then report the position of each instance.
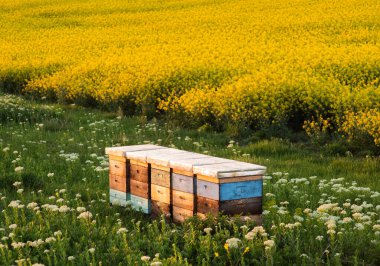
(160, 180)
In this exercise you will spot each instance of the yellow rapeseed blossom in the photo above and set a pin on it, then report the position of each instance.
(247, 63)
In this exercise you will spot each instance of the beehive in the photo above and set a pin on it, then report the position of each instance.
(129, 179)
(171, 181)
(230, 188)
(161, 177)
(184, 185)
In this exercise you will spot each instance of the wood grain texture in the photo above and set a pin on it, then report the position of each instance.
(229, 169)
(159, 208)
(229, 179)
(138, 163)
(208, 178)
(240, 178)
(163, 159)
(183, 200)
(207, 189)
(160, 167)
(142, 156)
(120, 151)
(183, 172)
(139, 173)
(118, 183)
(140, 189)
(160, 177)
(118, 168)
(117, 158)
(119, 194)
(206, 205)
(140, 204)
(160, 193)
(241, 206)
(231, 207)
(188, 164)
(241, 190)
(183, 183)
(180, 215)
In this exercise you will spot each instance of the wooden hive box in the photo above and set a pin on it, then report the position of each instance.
(162, 178)
(184, 185)
(140, 177)
(232, 188)
(120, 174)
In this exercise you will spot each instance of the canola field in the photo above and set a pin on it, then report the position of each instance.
(307, 65)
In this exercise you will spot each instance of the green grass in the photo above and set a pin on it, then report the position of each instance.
(42, 137)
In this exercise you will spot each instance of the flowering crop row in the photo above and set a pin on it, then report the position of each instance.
(214, 62)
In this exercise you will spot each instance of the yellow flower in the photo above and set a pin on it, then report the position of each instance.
(246, 250)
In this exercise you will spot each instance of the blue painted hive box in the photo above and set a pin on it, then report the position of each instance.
(231, 188)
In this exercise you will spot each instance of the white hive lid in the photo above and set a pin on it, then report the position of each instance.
(165, 158)
(142, 156)
(120, 151)
(188, 164)
(230, 169)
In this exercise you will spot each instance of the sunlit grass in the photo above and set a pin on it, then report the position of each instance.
(55, 209)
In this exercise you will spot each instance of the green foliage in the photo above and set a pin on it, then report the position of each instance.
(61, 168)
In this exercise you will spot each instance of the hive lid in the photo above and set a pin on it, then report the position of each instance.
(142, 156)
(229, 169)
(164, 158)
(187, 164)
(120, 151)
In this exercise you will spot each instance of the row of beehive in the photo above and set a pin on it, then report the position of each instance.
(170, 181)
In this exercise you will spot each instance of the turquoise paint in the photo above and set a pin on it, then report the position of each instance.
(241, 190)
(141, 204)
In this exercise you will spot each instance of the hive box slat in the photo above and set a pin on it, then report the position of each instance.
(230, 169)
(141, 204)
(229, 191)
(117, 158)
(160, 177)
(183, 183)
(160, 193)
(139, 173)
(140, 189)
(120, 151)
(142, 156)
(180, 214)
(163, 159)
(183, 200)
(240, 206)
(117, 167)
(119, 194)
(159, 208)
(118, 183)
(187, 164)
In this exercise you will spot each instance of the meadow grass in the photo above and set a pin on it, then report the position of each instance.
(318, 208)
